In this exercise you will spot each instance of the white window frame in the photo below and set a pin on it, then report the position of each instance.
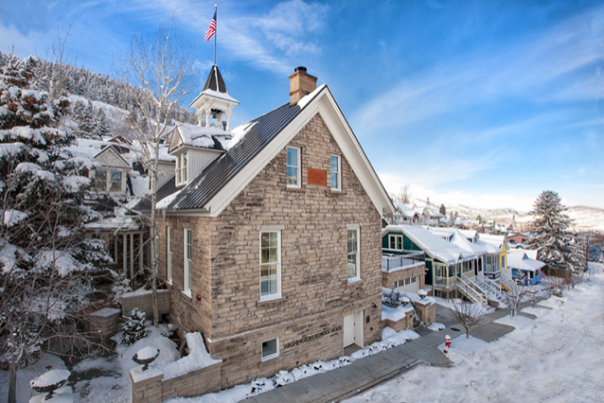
(298, 167)
(187, 261)
(338, 173)
(357, 228)
(274, 355)
(182, 169)
(109, 180)
(278, 293)
(390, 236)
(169, 243)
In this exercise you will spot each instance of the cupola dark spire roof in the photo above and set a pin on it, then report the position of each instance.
(215, 81)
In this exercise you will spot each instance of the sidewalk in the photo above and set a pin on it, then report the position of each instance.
(368, 372)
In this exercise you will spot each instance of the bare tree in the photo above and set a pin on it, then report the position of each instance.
(59, 57)
(159, 72)
(513, 297)
(466, 313)
(553, 283)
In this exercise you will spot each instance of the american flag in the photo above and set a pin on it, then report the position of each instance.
(211, 28)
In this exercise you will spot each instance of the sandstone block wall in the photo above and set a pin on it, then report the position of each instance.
(315, 290)
(402, 324)
(426, 310)
(157, 389)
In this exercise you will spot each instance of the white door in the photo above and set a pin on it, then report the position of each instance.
(349, 330)
(353, 329)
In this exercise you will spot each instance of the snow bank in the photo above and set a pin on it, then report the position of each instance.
(198, 358)
(52, 377)
(435, 327)
(395, 314)
(555, 358)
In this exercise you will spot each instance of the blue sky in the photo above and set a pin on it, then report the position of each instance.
(483, 103)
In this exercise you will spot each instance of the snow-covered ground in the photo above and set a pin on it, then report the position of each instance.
(558, 357)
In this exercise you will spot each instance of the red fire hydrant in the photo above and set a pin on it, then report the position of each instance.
(447, 344)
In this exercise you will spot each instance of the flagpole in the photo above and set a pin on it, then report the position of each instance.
(215, 33)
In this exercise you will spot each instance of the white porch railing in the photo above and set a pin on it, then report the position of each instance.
(470, 291)
(489, 285)
(392, 261)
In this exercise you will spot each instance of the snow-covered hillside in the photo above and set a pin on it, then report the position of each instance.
(585, 218)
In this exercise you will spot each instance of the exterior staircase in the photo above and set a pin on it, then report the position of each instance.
(490, 286)
(470, 288)
(506, 282)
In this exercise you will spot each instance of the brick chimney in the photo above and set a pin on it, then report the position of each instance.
(300, 84)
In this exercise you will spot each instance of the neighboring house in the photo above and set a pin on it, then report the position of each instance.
(501, 245)
(516, 238)
(432, 218)
(525, 268)
(404, 215)
(269, 237)
(444, 261)
(456, 261)
(116, 183)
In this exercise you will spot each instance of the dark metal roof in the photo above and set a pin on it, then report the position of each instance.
(215, 81)
(207, 184)
(166, 190)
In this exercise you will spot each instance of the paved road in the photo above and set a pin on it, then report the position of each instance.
(368, 372)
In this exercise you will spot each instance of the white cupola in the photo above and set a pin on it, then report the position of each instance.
(214, 103)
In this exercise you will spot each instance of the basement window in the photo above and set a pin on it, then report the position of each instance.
(270, 349)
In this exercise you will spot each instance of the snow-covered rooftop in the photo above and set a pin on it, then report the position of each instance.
(518, 259)
(434, 245)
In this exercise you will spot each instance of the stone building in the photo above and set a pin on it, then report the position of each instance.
(270, 234)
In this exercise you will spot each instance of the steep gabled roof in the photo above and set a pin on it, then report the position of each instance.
(218, 184)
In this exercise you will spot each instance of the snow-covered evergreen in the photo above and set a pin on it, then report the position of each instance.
(550, 234)
(46, 261)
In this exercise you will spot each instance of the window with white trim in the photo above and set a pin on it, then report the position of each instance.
(395, 242)
(293, 167)
(169, 254)
(336, 176)
(270, 265)
(270, 349)
(181, 169)
(187, 261)
(353, 256)
(108, 181)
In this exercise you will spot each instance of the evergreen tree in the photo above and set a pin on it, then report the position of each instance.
(101, 127)
(443, 210)
(45, 260)
(550, 234)
(86, 122)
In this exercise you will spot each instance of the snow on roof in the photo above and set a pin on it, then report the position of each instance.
(405, 210)
(495, 240)
(86, 148)
(201, 136)
(518, 259)
(460, 239)
(238, 133)
(121, 223)
(164, 156)
(433, 244)
(309, 97)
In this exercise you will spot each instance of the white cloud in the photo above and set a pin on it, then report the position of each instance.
(527, 69)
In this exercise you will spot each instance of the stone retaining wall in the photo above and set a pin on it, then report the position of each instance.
(150, 386)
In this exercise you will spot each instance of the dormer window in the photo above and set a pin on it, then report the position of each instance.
(181, 169)
(109, 181)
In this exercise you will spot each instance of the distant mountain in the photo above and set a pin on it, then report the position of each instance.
(584, 218)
